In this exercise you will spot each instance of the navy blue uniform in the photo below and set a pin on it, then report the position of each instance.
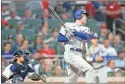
(15, 70)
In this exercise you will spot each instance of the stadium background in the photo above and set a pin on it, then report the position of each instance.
(33, 27)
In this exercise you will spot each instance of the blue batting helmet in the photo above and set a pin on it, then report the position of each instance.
(78, 14)
(94, 36)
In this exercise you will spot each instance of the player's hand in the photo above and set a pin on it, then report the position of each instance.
(99, 59)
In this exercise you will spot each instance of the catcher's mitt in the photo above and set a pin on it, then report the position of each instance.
(35, 77)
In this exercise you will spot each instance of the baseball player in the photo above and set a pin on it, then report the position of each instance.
(97, 53)
(19, 69)
(73, 36)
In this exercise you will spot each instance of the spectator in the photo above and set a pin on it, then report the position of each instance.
(117, 43)
(99, 10)
(7, 49)
(46, 51)
(67, 5)
(44, 29)
(113, 11)
(10, 39)
(60, 49)
(111, 66)
(12, 16)
(118, 72)
(20, 27)
(3, 22)
(58, 71)
(110, 50)
(38, 43)
(110, 37)
(120, 62)
(103, 32)
(25, 46)
(45, 5)
(3, 63)
(58, 10)
(36, 58)
(7, 26)
(43, 68)
(53, 37)
(28, 14)
(19, 40)
(89, 7)
(4, 11)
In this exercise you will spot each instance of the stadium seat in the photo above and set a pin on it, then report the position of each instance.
(60, 49)
(20, 12)
(36, 28)
(13, 23)
(38, 12)
(29, 34)
(92, 24)
(69, 20)
(6, 33)
(32, 22)
(53, 23)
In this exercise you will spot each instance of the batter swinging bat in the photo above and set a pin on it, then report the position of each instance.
(59, 19)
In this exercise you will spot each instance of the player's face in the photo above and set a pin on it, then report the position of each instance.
(94, 41)
(21, 58)
(84, 18)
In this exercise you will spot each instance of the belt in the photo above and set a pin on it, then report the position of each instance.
(99, 67)
(76, 49)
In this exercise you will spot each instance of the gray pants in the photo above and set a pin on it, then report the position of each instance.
(101, 75)
(76, 65)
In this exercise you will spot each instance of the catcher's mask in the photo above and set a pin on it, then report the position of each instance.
(27, 56)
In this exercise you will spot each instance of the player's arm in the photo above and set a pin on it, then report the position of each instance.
(62, 35)
(7, 73)
(102, 54)
(84, 34)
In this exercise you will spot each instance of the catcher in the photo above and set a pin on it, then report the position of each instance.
(20, 68)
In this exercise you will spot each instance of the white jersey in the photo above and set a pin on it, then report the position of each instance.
(74, 41)
(98, 51)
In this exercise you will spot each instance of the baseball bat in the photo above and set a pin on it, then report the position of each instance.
(59, 19)
(56, 15)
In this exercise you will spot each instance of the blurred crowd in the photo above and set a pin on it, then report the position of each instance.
(46, 51)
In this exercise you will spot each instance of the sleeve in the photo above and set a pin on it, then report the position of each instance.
(114, 52)
(86, 30)
(103, 51)
(82, 35)
(62, 31)
(13, 68)
(7, 72)
(62, 35)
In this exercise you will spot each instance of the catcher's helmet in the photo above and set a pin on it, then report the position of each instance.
(78, 14)
(27, 56)
(18, 53)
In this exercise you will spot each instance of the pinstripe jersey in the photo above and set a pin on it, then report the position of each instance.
(99, 50)
(74, 41)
